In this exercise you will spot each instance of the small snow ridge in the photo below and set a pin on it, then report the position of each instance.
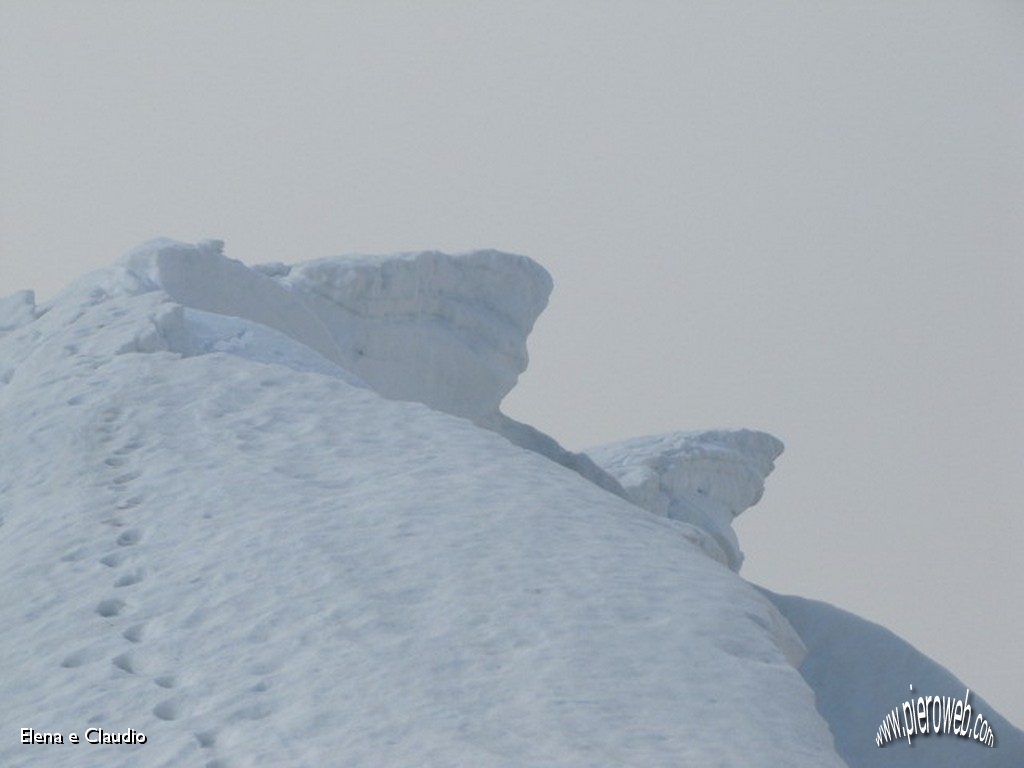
(703, 478)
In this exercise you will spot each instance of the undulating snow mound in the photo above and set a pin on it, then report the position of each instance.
(861, 671)
(215, 535)
(703, 478)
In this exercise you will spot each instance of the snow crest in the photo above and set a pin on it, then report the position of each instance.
(702, 478)
(218, 533)
(447, 331)
(212, 537)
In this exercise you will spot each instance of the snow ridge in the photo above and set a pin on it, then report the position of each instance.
(229, 521)
(216, 534)
(446, 331)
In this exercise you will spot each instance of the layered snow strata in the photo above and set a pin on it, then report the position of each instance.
(703, 478)
(447, 331)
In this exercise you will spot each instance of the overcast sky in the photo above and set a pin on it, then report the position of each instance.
(788, 216)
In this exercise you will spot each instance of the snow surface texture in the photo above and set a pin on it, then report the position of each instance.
(216, 531)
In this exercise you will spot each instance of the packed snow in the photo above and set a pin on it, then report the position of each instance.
(274, 516)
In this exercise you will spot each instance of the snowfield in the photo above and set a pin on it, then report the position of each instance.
(273, 516)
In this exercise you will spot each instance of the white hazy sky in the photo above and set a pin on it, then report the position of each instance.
(800, 217)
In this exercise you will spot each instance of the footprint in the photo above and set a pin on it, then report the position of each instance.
(110, 607)
(127, 662)
(130, 578)
(168, 710)
(76, 554)
(135, 633)
(127, 477)
(197, 618)
(129, 538)
(206, 739)
(258, 711)
(129, 503)
(115, 522)
(130, 447)
(114, 559)
(80, 657)
(166, 681)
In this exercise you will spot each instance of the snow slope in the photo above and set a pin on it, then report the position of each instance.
(215, 535)
(216, 531)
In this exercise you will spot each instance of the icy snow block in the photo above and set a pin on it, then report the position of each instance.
(445, 330)
(703, 478)
(201, 277)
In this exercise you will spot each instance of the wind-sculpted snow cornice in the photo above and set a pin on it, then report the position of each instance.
(445, 330)
(703, 478)
(430, 283)
(201, 277)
